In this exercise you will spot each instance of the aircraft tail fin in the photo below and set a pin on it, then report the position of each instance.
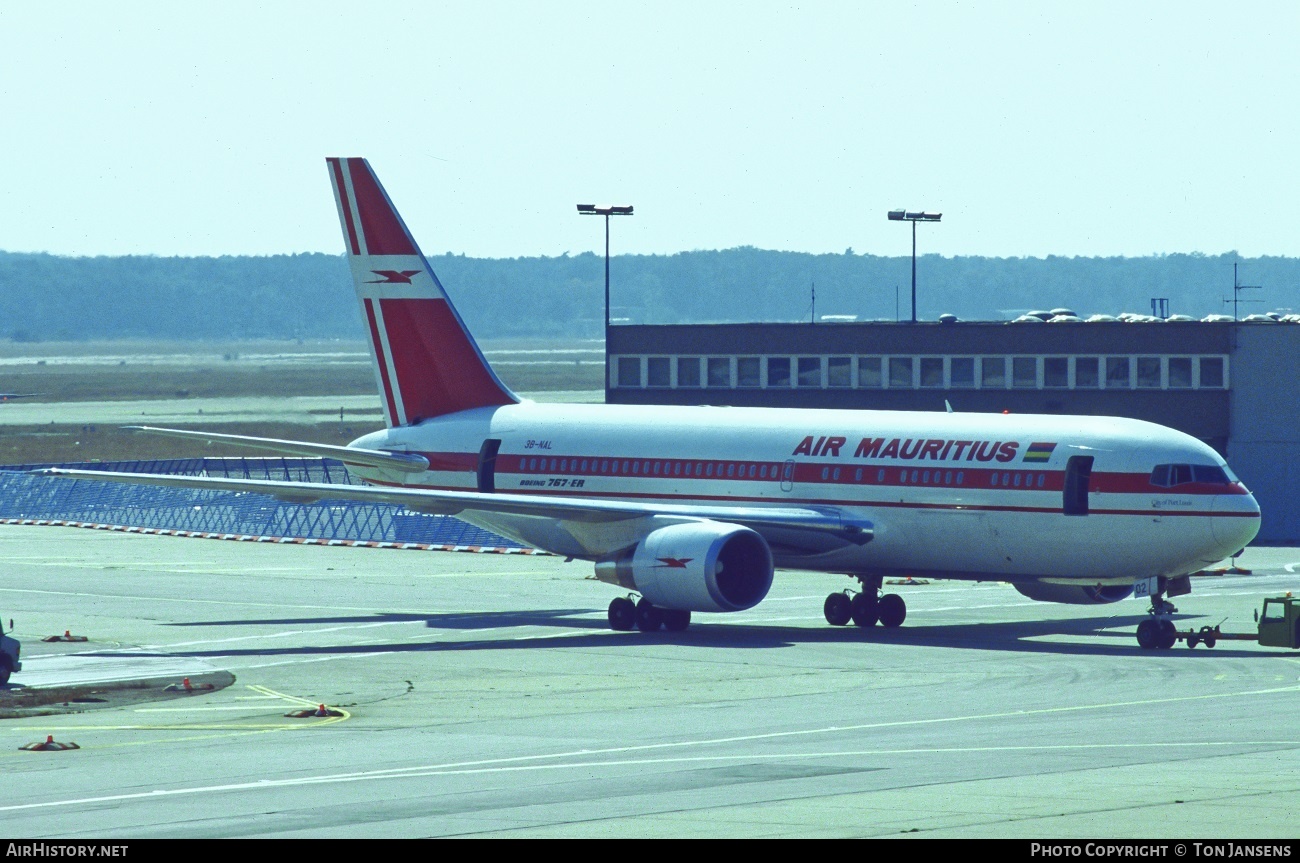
(426, 362)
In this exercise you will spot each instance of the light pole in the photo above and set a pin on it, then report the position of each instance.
(598, 209)
(904, 216)
(606, 209)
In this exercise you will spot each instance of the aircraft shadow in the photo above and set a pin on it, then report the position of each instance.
(1093, 636)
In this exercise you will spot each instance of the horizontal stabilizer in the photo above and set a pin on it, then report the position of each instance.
(398, 461)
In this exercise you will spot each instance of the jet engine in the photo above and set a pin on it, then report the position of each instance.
(695, 566)
(1093, 594)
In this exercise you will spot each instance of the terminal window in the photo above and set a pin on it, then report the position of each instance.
(1086, 375)
(747, 372)
(1180, 373)
(961, 372)
(1212, 373)
(688, 371)
(1148, 372)
(931, 372)
(778, 371)
(1056, 372)
(839, 371)
(810, 371)
(719, 371)
(993, 372)
(869, 376)
(1117, 374)
(1024, 372)
(658, 372)
(900, 372)
(629, 371)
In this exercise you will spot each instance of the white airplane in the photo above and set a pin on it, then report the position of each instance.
(694, 507)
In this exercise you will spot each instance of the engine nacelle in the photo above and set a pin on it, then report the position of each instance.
(695, 566)
(1094, 594)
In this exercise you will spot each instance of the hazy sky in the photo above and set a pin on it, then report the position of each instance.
(1037, 128)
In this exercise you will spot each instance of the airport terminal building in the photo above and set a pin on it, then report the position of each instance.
(1233, 385)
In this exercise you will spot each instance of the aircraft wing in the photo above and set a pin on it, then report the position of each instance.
(590, 510)
(398, 461)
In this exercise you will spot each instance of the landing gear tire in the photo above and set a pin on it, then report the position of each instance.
(1148, 634)
(892, 610)
(864, 611)
(622, 614)
(1157, 633)
(838, 609)
(649, 618)
(676, 619)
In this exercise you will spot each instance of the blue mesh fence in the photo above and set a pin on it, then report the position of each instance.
(23, 496)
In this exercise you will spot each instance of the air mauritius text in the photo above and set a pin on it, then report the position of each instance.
(919, 449)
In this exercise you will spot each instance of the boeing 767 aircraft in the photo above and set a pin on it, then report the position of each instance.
(694, 508)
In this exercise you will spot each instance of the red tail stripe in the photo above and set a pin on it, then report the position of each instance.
(345, 205)
(437, 367)
(384, 232)
(393, 418)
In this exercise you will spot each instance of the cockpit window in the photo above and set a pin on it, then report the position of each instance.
(1209, 473)
(1169, 475)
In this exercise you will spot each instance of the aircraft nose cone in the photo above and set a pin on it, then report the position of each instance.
(1235, 521)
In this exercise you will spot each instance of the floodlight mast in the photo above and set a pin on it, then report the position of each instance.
(605, 210)
(905, 216)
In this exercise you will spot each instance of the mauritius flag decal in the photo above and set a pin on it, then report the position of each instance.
(1039, 452)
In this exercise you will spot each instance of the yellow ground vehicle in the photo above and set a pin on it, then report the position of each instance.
(1279, 626)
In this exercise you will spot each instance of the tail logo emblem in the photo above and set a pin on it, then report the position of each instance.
(393, 277)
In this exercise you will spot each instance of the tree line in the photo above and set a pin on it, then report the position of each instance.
(47, 297)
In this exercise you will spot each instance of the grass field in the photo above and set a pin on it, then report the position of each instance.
(174, 374)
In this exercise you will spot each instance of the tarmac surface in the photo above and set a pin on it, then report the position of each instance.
(484, 695)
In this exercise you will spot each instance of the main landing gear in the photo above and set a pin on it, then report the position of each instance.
(867, 608)
(626, 614)
(1158, 632)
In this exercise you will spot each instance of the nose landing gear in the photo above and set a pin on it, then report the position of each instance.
(1158, 632)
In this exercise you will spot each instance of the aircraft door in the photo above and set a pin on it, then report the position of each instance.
(1078, 471)
(487, 465)
(787, 476)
